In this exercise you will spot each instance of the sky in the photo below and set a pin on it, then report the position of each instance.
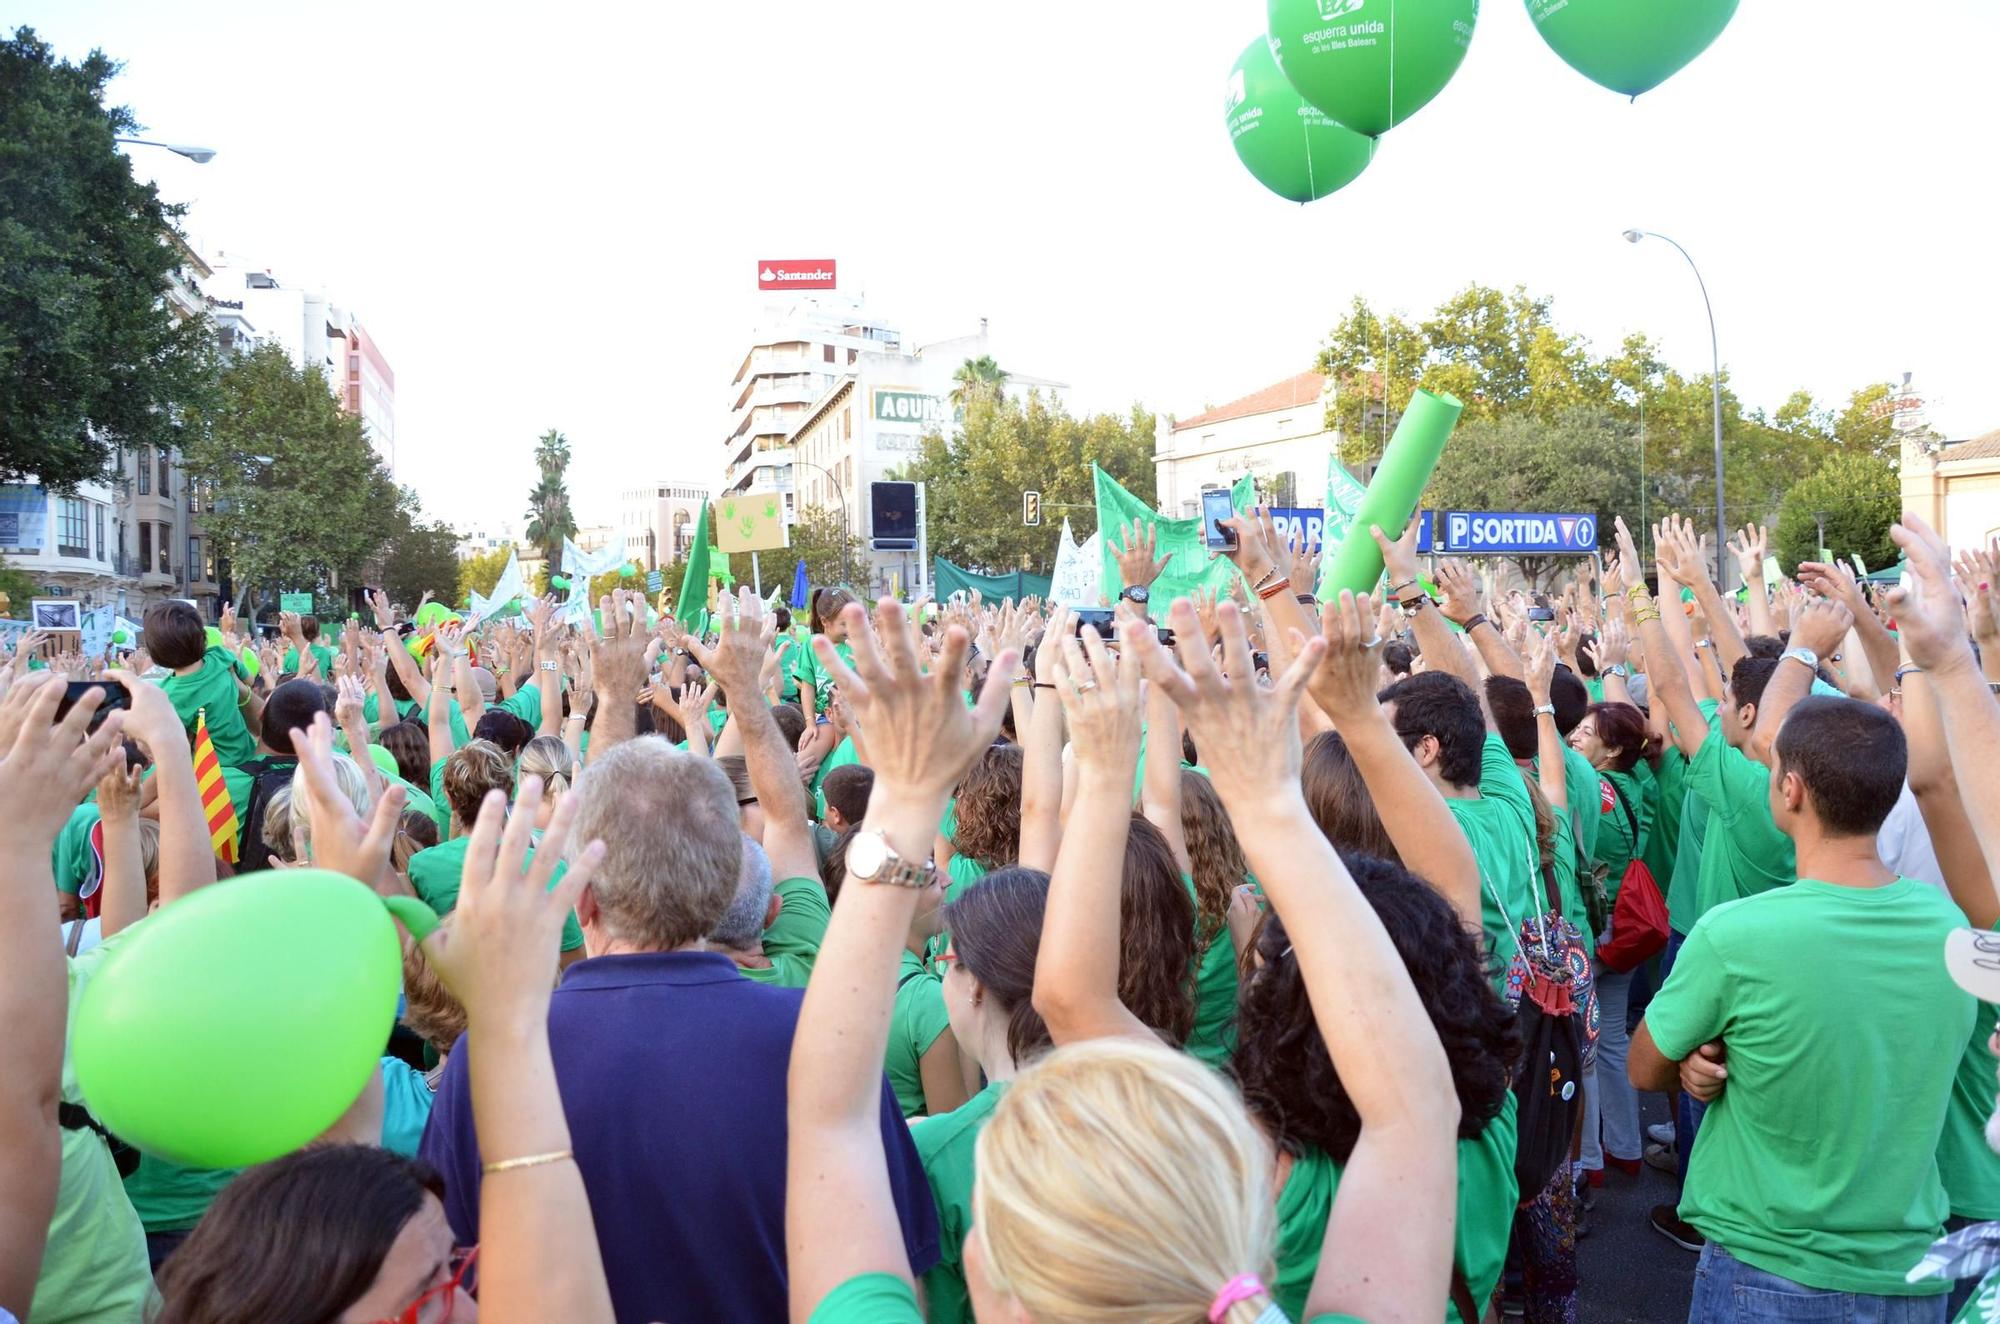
(551, 216)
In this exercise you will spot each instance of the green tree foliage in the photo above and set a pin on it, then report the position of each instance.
(421, 556)
(1503, 355)
(1861, 497)
(973, 481)
(821, 538)
(977, 377)
(301, 501)
(479, 573)
(19, 587)
(1585, 460)
(90, 352)
(549, 517)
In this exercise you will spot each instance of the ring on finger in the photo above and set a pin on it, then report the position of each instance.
(1085, 686)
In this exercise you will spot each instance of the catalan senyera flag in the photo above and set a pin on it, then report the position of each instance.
(216, 805)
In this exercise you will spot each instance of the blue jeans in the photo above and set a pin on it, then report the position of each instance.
(1728, 1291)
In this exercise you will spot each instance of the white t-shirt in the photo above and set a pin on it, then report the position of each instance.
(1905, 843)
(93, 933)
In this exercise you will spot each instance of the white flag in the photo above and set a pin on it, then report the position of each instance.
(508, 587)
(577, 562)
(1077, 581)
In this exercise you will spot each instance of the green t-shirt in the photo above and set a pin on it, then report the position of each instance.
(1683, 894)
(435, 875)
(74, 862)
(212, 686)
(1569, 886)
(371, 709)
(915, 1022)
(406, 1106)
(1743, 853)
(1966, 1164)
(94, 1268)
(1500, 825)
(842, 754)
(1813, 990)
(1487, 1196)
(1580, 780)
(946, 1144)
(792, 942)
(171, 1198)
(964, 872)
(869, 1298)
(320, 651)
(1616, 844)
(440, 803)
(1213, 1039)
(1669, 794)
(808, 673)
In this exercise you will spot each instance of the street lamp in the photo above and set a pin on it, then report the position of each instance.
(845, 570)
(1721, 521)
(198, 155)
(1819, 518)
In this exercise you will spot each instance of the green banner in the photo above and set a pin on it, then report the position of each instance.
(1192, 567)
(1343, 498)
(301, 603)
(947, 579)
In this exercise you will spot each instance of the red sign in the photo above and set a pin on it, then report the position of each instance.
(796, 274)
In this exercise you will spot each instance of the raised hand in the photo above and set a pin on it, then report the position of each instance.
(1541, 670)
(1926, 607)
(1977, 571)
(1631, 570)
(1137, 566)
(737, 659)
(1399, 557)
(1346, 682)
(1461, 599)
(921, 736)
(1822, 626)
(1099, 691)
(46, 766)
(1749, 548)
(351, 704)
(336, 837)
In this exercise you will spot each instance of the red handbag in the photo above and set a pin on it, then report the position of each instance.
(1639, 919)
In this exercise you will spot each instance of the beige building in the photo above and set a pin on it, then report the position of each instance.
(1277, 435)
(1955, 485)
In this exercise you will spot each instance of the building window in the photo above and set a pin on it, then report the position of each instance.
(829, 353)
(145, 546)
(194, 558)
(194, 498)
(146, 472)
(99, 510)
(72, 528)
(166, 479)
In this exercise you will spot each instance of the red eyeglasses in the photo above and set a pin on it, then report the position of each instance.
(438, 1305)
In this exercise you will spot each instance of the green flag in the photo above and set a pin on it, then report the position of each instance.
(693, 597)
(1191, 567)
(1343, 498)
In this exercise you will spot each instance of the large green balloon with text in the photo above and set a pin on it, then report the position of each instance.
(1370, 64)
(240, 1022)
(1630, 46)
(1292, 148)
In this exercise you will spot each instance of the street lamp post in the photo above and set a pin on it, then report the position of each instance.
(1715, 380)
(845, 570)
(198, 155)
(1819, 518)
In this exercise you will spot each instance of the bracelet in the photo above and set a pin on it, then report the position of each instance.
(1704, 643)
(1645, 615)
(550, 666)
(1269, 591)
(1021, 681)
(1636, 592)
(1545, 710)
(1906, 669)
(1474, 621)
(1416, 604)
(1394, 589)
(1043, 685)
(1618, 669)
(1993, 686)
(526, 1161)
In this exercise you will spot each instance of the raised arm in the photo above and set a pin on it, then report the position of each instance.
(1729, 646)
(1441, 649)
(618, 661)
(1750, 548)
(736, 662)
(1419, 823)
(415, 684)
(123, 894)
(46, 768)
(1664, 668)
(436, 714)
(1820, 628)
(1160, 793)
(1878, 646)
(1388, 1248)
(347, 711)
(840, 1215)
(1076, 967)
(187, 856)
(1041, 755)
(1464, 606)
(1550, 771)
(1935, 786)
(548, 664)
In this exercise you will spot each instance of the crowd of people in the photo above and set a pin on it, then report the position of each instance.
(1249, 959)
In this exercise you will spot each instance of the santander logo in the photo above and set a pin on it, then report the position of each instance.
(796, 274)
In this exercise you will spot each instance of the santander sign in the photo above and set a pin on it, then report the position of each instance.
(795, 274)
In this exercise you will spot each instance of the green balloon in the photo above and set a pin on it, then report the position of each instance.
(120, 637)
(304, 964)
(559, 583)
(213, 636)
(432, 614)
(1292, 148)
(1630, 46)
(1371, 64)
(385, 762)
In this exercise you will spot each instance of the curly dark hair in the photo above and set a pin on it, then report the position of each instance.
(1156, 917)
(1288, 1078)
(1217, 857)
(989, 808)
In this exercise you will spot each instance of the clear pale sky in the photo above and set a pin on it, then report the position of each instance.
(550, 216)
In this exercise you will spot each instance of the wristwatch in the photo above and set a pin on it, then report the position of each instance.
(1805, 655)
(1548, 708)
(1618, 669)
(871, 859)
(1137, 595)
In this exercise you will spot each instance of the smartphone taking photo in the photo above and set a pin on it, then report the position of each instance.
(1215, 508)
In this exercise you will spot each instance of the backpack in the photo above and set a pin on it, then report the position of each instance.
(268, 777)
(1639, 922)
(1555, 1005)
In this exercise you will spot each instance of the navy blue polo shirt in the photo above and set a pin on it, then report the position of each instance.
(672, 1071)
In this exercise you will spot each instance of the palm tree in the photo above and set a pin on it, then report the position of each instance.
(549, 520)
(975, 378)
(552, 455)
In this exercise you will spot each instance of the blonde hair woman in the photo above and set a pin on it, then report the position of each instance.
(549, 758)
(1117, 1180)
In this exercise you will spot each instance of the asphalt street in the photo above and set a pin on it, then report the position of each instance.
(1627, 1272)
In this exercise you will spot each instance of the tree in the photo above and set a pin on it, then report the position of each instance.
(1860, 496)
(1585, 461)
(549, 518)
(479, 572)
(976, 378)
(301, 501)
(974, 480)
(421, 556)
(820, 537)
(16, 584)
(91, 354)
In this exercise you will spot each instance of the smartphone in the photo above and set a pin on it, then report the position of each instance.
(1104, 618)
(1215, 508)
(115, 697)
(1541, 613)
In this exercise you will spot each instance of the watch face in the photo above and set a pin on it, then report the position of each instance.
(1138, 595)
(866, 854)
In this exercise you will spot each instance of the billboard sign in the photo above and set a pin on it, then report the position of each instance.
(1507, 533)
(811, 273)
